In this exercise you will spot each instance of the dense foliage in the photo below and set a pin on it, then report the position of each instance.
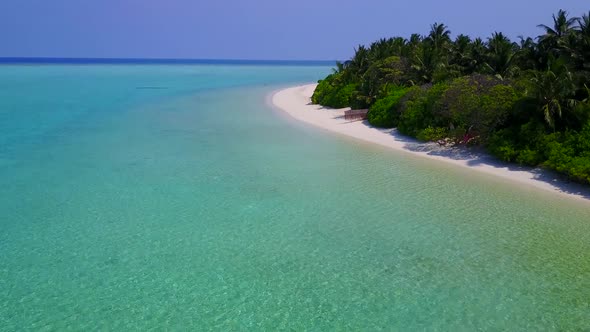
(383, 113)
(526, 102)
(333, 94)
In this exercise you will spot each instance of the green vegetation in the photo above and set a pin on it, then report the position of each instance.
(383, 113)
(526, 102)
(333, 93)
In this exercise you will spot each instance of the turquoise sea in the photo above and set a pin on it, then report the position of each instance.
(153, 197)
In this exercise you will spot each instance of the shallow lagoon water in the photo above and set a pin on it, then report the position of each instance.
(137, 197)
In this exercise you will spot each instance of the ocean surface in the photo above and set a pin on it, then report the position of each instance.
(154, 196)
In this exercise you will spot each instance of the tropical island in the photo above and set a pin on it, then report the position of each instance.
(526, 102)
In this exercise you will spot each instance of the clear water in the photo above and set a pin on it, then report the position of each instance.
(153, 197)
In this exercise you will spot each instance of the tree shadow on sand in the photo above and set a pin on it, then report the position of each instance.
(477, 156)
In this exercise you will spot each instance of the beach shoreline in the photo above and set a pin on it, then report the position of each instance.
(296, 102)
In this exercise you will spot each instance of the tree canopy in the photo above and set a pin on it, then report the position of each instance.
(526, 101)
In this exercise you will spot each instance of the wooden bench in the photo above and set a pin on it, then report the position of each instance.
(355, 115)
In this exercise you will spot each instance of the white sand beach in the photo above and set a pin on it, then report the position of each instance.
(296, 101)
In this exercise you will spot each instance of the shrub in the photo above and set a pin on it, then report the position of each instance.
(502, 145)
(384, 113)
(477, 104)
(505, 152)
(524, 144)
(558, 155)
(339, 97)
(416, 111)
(579, 169)
(381, 75)
(529, 157)
(324, 88)
(569, 153)
(580, 115)
(331, 93)
(433, 134)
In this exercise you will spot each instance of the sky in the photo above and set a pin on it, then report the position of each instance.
(254, 29)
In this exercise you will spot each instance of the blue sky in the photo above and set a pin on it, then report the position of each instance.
(255, 29)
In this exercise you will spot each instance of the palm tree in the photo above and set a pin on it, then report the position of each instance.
(380, 50)
(385, 48)
(555, 37)
(340, 67)
(462, 43)
(527, 57)
(584, 24)
(425, 63)
(439, 36)
(478, 55)
(500, 55)
(554, 90)
(415, 40)
(461, 60)
(582, 51)
(359, 63)
(432, 54)
(399, 46)
(413, 44)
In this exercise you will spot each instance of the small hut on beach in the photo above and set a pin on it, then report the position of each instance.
(353, 115)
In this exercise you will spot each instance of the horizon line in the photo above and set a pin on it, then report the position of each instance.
(15, 59)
